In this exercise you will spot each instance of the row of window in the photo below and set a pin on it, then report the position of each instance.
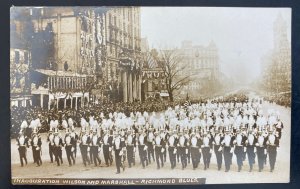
(66, 82)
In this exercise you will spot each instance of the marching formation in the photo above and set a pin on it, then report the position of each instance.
(182, 134)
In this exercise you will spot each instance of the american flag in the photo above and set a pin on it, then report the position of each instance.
(150, 61)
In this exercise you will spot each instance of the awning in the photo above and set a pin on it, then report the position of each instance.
(164, 94)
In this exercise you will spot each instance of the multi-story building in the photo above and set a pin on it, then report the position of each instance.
(123, 45)
(276, 66)
(83, 53)
(202, 64)
(20, 62)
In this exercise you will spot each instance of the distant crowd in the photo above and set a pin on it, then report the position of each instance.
(29, 113)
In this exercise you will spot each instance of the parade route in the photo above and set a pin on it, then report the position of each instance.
(212, 175)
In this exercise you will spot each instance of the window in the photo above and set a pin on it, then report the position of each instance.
(17, 57)
(109, 19)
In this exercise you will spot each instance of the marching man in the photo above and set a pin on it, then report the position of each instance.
(130, 147)
(172, 143)
(227, 148)
(218, 147)
(206, 149)
(107, 140)
(239, 143)
(150, 141)
(142, 148)
(84, 147)
(182, 149)
(58, 144)
(22, 142)
(95, 147)
(51, 144)
(272, 143)
(261, 150)
(250, 144)
(159, 150)
(119, 147)
(69, 143)
(36, 144)
(195, 150)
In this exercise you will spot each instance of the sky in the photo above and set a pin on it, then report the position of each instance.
(242, 35)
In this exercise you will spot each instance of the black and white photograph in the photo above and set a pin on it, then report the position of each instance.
(129, 95)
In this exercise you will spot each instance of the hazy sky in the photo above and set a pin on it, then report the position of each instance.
(242, 35)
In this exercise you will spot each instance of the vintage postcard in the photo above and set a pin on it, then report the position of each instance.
(150, 95)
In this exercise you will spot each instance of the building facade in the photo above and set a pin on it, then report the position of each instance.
(80, 54)
(20, 63)
(202, 63)
(123, 45)
(276, 65)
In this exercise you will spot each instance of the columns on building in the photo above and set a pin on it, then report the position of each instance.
(71, 102)
(131, 84)
(124, 82)
(49, 102)
(65, 103)
(76, 100)
(130, 87)
(139, 84)
(42, 100)
(134, 87)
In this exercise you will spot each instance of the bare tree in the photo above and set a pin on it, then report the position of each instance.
(174, 68)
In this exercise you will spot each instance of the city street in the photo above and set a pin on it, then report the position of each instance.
(212, 175)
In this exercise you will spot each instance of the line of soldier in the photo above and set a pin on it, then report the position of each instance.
(152, 136)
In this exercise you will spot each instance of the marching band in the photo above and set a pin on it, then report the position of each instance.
(190, 132)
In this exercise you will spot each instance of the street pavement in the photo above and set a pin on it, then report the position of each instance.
(213, 176)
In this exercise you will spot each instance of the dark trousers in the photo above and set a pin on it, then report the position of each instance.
(22, 153)
(33, 155)
(118, 159)
(96, 158)
(37, 155)
(51, 152)
(251, 156)
(58, 155)
(143, 155)
(70, 154)
(218, 156)
(206, 156)
(130, 155)
(159, 157)
(85, 159)
(150, 151)
(172, 157)
(182, 154)
(272, 156)
(227, 157)
(239, 152)
(91, 157)
(75, 150)
(260, 151)
(195, 155)
(165, 155)
(188, 155)
(106, 154)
